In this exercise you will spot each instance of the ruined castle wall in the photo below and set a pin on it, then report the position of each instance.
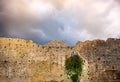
(103, 59)
(24, 61)
(15, 55)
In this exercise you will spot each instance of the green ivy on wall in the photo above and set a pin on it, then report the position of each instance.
(74, 67)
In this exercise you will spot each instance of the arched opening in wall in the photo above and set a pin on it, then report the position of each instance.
(74, 67)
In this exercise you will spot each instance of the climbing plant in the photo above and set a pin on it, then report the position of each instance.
(74, 67)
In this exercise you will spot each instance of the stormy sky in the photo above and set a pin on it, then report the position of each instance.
(67, 20)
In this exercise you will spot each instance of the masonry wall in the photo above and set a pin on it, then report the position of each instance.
(103, 59)
(24, 61)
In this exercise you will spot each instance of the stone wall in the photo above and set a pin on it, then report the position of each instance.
(103, 58)
(25, 61)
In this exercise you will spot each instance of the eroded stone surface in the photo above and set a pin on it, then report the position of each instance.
(103, 58)
(24, 61)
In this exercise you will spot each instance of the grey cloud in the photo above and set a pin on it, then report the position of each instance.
(68, 20)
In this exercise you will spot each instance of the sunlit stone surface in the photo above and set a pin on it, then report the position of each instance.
(24, 61)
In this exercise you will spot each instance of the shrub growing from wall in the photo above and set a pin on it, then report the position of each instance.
(74, 67)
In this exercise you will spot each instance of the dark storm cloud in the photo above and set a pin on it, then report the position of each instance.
(68, 20)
